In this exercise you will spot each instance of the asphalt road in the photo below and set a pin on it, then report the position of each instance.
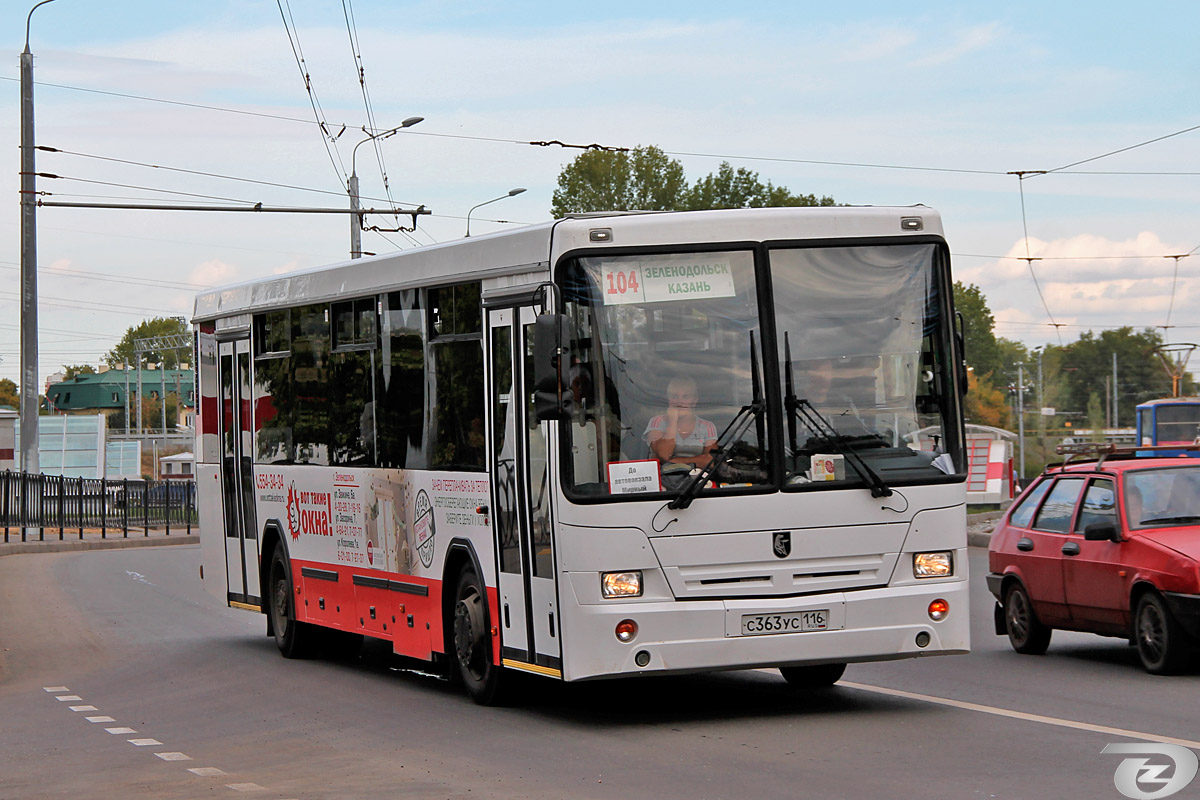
(151, 657)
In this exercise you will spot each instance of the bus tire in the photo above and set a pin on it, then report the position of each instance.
(1161, 642)
(472, 640)
(1026, 633)
(820, 676)
(295, 639)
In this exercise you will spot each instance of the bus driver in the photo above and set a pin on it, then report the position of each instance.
(679, 436)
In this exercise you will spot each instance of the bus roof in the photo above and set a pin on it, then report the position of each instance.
(1168, 401)
(531, 249)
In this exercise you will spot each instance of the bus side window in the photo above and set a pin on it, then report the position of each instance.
(400, 385)
(456, 353)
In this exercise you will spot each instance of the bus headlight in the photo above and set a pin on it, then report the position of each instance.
(933, 565)
(621, 584)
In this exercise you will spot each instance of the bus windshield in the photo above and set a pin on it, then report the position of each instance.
(668, 365)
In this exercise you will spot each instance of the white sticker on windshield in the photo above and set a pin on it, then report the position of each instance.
(683, 279)
(633, 477)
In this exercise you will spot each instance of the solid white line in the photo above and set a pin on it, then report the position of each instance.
(144, 742)
(1021, 715)
(84, 708)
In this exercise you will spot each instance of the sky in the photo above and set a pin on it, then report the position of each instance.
(871, 103)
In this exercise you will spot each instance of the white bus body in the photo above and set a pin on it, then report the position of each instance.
(384, 468)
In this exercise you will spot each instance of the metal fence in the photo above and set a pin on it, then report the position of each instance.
(35, 507)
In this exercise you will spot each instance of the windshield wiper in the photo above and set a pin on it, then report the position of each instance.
(800, 407)
(742, 420)
(729, 437)
(1185, 518)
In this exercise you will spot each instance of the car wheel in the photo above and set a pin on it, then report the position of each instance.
(1161, 643)
(1026, 633)
(472, 641)
(818, 677)
(295, 639)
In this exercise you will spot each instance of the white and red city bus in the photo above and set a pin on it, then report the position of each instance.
(478, 450)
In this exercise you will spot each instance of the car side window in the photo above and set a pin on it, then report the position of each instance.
(1024, 512)
(1099, 504)
(1055, 514)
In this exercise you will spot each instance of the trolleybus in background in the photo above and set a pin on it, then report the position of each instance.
(1169, 421)
(446, 447)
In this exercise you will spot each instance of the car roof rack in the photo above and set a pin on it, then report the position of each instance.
(1103, 451)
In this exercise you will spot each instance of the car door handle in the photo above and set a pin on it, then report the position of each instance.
(1025, 544)
(1070, 549)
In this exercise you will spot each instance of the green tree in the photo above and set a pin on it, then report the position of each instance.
(159, 326)
(9, 394)
(1088, 362)
(646, 179)
(602, 180)
(71, 370)
(741, 188)
(982, 353)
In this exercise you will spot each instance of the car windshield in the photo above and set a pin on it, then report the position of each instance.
(1162, 498)
(667, 371)
(666, 354)
(861, 357)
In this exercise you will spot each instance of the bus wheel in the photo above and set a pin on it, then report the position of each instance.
(294, 639)
(473, 641)
(1026, 633)
(818, 677)
(1161, 643)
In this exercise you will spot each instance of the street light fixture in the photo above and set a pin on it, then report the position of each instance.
(352, 186)
(511, 193)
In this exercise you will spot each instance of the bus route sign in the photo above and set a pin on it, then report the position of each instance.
(625, 282)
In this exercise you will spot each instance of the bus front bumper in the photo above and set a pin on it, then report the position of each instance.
(678, 637)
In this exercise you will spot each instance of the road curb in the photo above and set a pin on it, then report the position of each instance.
(69, 545)
(979, 527)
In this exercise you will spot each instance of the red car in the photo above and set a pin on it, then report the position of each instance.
(1109, 544)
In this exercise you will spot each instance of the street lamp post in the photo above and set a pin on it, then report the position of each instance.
(352, 185)
(511, 193)
(29, 297)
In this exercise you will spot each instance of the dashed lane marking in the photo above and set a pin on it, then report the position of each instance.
(68, 698)
(1021, 715)
(84, 708)
(245, 787)
(145, 742)
(205, 772)
(100, 719)
(55, 689)
(173, 756)
(120, 730)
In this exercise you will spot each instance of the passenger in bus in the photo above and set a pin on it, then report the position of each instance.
(680, 436)
(826, 385)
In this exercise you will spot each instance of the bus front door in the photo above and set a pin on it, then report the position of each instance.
(521, 492)
(237, 480)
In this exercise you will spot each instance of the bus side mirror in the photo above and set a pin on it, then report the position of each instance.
(961, 339)
(551, 335)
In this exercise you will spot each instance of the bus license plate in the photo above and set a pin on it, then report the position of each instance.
(794, 622)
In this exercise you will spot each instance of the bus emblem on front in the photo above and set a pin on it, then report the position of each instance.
(781, 543)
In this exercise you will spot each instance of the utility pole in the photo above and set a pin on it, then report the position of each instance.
(356, 217)
(29, 293)
(1116, 418)
(1021, 414)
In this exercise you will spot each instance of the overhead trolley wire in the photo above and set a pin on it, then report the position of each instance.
(297, 52)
